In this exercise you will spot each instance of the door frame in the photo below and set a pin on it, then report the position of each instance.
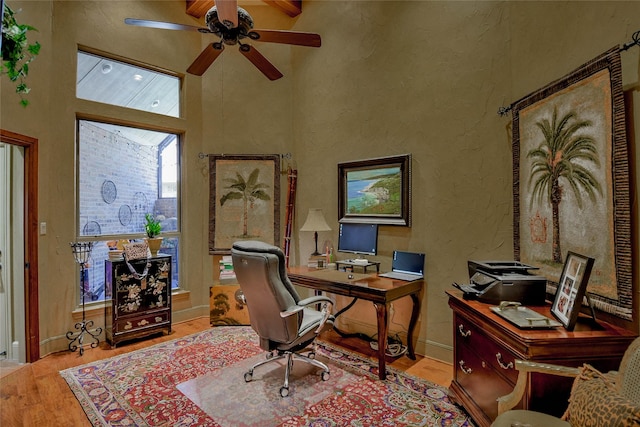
(32, 323)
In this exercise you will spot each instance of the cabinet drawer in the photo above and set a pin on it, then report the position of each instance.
(142, 322)
(472, 337)
(480, 380)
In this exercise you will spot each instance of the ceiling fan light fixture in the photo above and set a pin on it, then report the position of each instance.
(223, 29)
(232, 24)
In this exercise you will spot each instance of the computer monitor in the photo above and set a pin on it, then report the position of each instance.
(359, 239)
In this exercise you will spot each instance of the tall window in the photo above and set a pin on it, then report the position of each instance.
(125, 172)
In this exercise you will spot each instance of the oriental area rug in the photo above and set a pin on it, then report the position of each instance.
(198, 380)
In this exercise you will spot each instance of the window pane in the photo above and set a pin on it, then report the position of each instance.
(169, 169)
(170, 246)
(114, 82)
(119, 182)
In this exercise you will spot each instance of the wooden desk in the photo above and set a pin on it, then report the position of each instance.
(381, 291)
(485, 346)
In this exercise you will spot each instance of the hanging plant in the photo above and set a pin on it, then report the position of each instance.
(17, 53)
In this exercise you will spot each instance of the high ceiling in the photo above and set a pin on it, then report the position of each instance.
(113, 82)
(199, 8)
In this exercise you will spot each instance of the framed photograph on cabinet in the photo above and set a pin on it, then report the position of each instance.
(244, 200)
(571, 289)
(375, 191)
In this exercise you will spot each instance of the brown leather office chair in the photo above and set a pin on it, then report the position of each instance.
(611, 399)
(286, 324)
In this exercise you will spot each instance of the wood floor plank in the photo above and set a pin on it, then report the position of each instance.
(36, 395)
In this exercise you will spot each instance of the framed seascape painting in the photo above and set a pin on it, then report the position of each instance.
(244, 200)
(571, 181)
(375, 191)
(571, 289)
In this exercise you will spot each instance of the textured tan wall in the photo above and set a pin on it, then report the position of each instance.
(424, 78)
(427, 78)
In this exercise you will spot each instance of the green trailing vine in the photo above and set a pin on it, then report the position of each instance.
(17, 52)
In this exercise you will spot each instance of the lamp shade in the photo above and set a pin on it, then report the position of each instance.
(315, 221)
(81, 251)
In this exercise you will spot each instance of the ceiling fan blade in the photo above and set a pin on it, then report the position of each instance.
(164, 25)
(228, 12)
(286, 37)
(260, 62)
(205, 59)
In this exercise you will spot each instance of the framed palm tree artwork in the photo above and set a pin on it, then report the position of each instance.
(244, 200)
(571, 181)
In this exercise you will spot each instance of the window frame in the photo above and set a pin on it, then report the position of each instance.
(115, 118)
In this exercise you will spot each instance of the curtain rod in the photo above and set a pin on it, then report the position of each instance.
(287, 156)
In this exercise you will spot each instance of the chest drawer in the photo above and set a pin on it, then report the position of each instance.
(480, 380)
(137, 323)
(473, 338)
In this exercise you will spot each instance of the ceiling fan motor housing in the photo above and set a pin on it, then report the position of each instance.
(229, 36)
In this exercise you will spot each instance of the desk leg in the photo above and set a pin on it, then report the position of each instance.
(415, 313)
(382, 311)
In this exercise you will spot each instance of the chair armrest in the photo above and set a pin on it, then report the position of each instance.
(327, 305)
(317, 299)
(302, 304)
(524, 368)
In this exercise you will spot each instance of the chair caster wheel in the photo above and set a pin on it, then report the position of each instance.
(325, 375)
(248, 376)
(284, 391)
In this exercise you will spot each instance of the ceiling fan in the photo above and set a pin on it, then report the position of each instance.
(233, 24)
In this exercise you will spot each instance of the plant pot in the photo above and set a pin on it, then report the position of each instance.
(154, 245)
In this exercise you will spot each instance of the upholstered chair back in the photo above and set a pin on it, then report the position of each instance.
(628, 381)
(260, 270)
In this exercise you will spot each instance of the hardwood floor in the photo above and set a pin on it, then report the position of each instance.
(36, 395)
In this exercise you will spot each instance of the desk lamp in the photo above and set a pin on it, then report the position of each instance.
(81, 253)
(315, 222)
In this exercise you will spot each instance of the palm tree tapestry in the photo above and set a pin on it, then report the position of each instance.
(244, 200)
(571, 180)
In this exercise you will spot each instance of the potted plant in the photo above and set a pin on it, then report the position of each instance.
(153, 228)
(17, 53)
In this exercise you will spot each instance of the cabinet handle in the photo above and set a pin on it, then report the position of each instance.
(502, 365)
(464, 368)
(462, 331)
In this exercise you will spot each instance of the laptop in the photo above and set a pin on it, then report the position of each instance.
(406, 266)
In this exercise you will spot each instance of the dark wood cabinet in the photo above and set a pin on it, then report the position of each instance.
(485, 347)
(138, 298)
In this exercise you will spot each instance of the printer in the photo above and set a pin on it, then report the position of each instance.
(496, 281)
